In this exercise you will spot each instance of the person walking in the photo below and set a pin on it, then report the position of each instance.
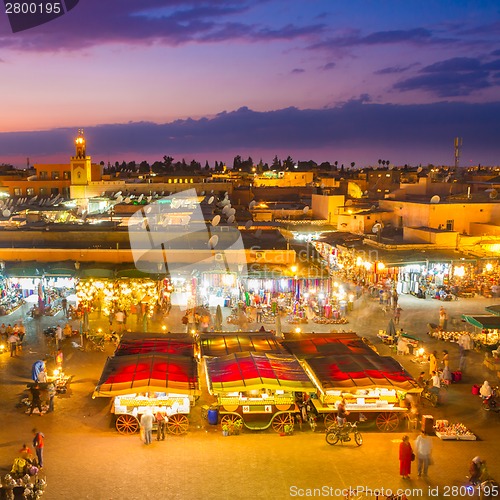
(147, 426)
(59, 359)
(406, 456)
(59, 335)
(423, 451)
(36, 401)
(39, 444)
(161, 424)
(13, 339)
(443, 318)
(433, 363)
(259, 314)
(52, 392)
(397, 314)
(64, 303)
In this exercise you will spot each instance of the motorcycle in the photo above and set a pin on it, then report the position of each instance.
(490, 402)
(336, 433)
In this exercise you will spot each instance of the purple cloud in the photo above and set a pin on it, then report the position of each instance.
(395, 69)
(458, 76)
(165, 22)
(297, 71)
(356, 124)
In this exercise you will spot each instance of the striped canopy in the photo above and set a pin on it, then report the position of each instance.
(222, 345)
(318, 345)
(359, 372)
(254, 371)
(153, 372)
(183, 346)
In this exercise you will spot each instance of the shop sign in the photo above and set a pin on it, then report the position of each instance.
(257, 409)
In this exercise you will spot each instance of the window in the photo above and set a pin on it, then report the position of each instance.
(43, 175)
(66, 175)
(54, 175)
(17, 192)
(54, 191)
(30, 192)
(43, 192)
(449, 225)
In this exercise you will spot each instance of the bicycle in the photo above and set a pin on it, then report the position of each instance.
(428, 395)
(94, 343)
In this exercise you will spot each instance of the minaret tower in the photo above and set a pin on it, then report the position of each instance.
(81, 164)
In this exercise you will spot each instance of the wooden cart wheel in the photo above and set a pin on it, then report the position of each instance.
(281, 420)
(387, 421)
(177, 424)
(230, 420)
(127, 424)
(330, 419)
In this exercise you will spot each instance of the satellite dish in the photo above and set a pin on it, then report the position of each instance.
(373, 207)
(6, 213)
(231, 211)
(435, 199)
(216, 220)
(391, 167)
(210, 200)
(376, 228)
(348, 203)
(248, 224)
(148, 209)
(212, 242)
(118, 194)
(322, 185)
(226, 209)
(127, 200)
(149, 198)
(306, 209)
(140, 198)
(258, 233)
(202, 193)
(493, 194)
(252, 204)
(119, 199)
(231, 219)
(419, 169)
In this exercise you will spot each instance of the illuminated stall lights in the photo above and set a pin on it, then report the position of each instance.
(459, 271)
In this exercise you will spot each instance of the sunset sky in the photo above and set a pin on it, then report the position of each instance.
(317, 79)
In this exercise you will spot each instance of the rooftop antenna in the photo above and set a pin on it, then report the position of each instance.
(458, 145)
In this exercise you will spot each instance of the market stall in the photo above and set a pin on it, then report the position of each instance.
(373, 387)
(155, 381)
(256, 389)
(489, 336)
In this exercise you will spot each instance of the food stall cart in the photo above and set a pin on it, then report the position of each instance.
(256, 389)
(155, 380)
(373, 387)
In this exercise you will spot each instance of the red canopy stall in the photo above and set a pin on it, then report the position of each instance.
(156, 381)
(368, 383)
(257, 389)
